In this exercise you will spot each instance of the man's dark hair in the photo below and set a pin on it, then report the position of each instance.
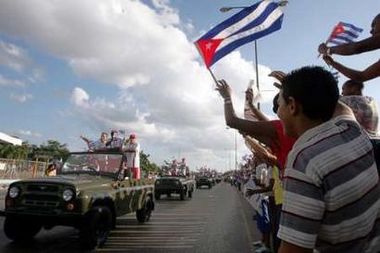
(315, 89)
(357, 84)
(275, 103)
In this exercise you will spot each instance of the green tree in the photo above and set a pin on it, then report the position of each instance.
(53, 150)
(146, 166)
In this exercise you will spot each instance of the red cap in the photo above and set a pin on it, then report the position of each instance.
(132, 136)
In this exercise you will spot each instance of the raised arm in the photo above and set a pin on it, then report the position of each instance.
(369, 44)
(85, 139)
(369, 73)
(263, 131)
(249, 99)
(262, 153)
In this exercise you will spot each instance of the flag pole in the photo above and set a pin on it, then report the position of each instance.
(257, 73)
(328, 38)
(213, 76)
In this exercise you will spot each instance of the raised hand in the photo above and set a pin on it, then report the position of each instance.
(224, 89)
(279, 75)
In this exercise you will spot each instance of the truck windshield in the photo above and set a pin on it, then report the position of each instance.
(102, 163)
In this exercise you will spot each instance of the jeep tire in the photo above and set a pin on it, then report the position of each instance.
(20, 229)
(182, 195)
(95, 227)
(143, 214)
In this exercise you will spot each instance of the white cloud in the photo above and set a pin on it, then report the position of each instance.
(79, 97)
(11, 82)
(12, 56)
(29, 133)
(166, 95)
(21, 98)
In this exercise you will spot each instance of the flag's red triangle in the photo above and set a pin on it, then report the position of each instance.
(338, 29)
(207, 48)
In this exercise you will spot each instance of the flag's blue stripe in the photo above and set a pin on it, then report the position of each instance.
(346, 37)
(342, 39)
(259, 19)
(353, 27)
(232, 46)
(351, 34)
(336, 42)
(228, 22)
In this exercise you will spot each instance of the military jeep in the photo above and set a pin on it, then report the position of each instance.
(174, 184)
(204, 180)
(88, 193)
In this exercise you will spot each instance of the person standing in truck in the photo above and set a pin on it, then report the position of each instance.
(132, 150)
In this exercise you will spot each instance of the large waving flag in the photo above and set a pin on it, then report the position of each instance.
(249, 24)
(344, 33)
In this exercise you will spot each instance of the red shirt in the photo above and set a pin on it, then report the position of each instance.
(282, 147)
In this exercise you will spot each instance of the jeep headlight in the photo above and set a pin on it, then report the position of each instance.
(13, 192)
(68, 195)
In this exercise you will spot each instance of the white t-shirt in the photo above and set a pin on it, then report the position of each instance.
(133, 158)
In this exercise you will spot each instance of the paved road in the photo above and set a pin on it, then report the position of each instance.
(218, 220)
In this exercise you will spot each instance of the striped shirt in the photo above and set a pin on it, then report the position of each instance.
(331, 190)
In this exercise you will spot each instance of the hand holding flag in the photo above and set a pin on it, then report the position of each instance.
(342, 33)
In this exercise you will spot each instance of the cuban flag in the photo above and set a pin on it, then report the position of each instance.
(344, 33)
(250, 24)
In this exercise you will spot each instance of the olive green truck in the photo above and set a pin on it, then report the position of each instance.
(88, 193)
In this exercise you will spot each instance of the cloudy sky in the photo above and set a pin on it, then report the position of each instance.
(86, 66)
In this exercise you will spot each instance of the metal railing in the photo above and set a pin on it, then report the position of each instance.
(15, 169)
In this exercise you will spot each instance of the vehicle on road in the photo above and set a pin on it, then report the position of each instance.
(184, 186)
(88, 192)
(204, 181)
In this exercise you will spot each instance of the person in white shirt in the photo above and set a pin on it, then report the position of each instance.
(132, 151)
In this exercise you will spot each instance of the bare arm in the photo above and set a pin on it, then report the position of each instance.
(291, 248)
(261, 152)
(369, 44)
(263, 131)
(369, 73)
(268, 188)
(259, 115)
(85, 139)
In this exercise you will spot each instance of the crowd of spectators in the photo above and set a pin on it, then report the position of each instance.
(314, 182)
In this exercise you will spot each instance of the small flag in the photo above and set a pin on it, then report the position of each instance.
(344, 33)
(249, 24)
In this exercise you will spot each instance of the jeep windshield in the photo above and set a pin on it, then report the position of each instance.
(98, 163)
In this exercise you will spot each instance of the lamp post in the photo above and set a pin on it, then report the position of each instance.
(228, 159)
(235, 147)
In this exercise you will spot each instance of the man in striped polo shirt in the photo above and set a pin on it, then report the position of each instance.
(331, 189)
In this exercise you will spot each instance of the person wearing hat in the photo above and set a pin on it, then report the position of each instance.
(132, 150)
